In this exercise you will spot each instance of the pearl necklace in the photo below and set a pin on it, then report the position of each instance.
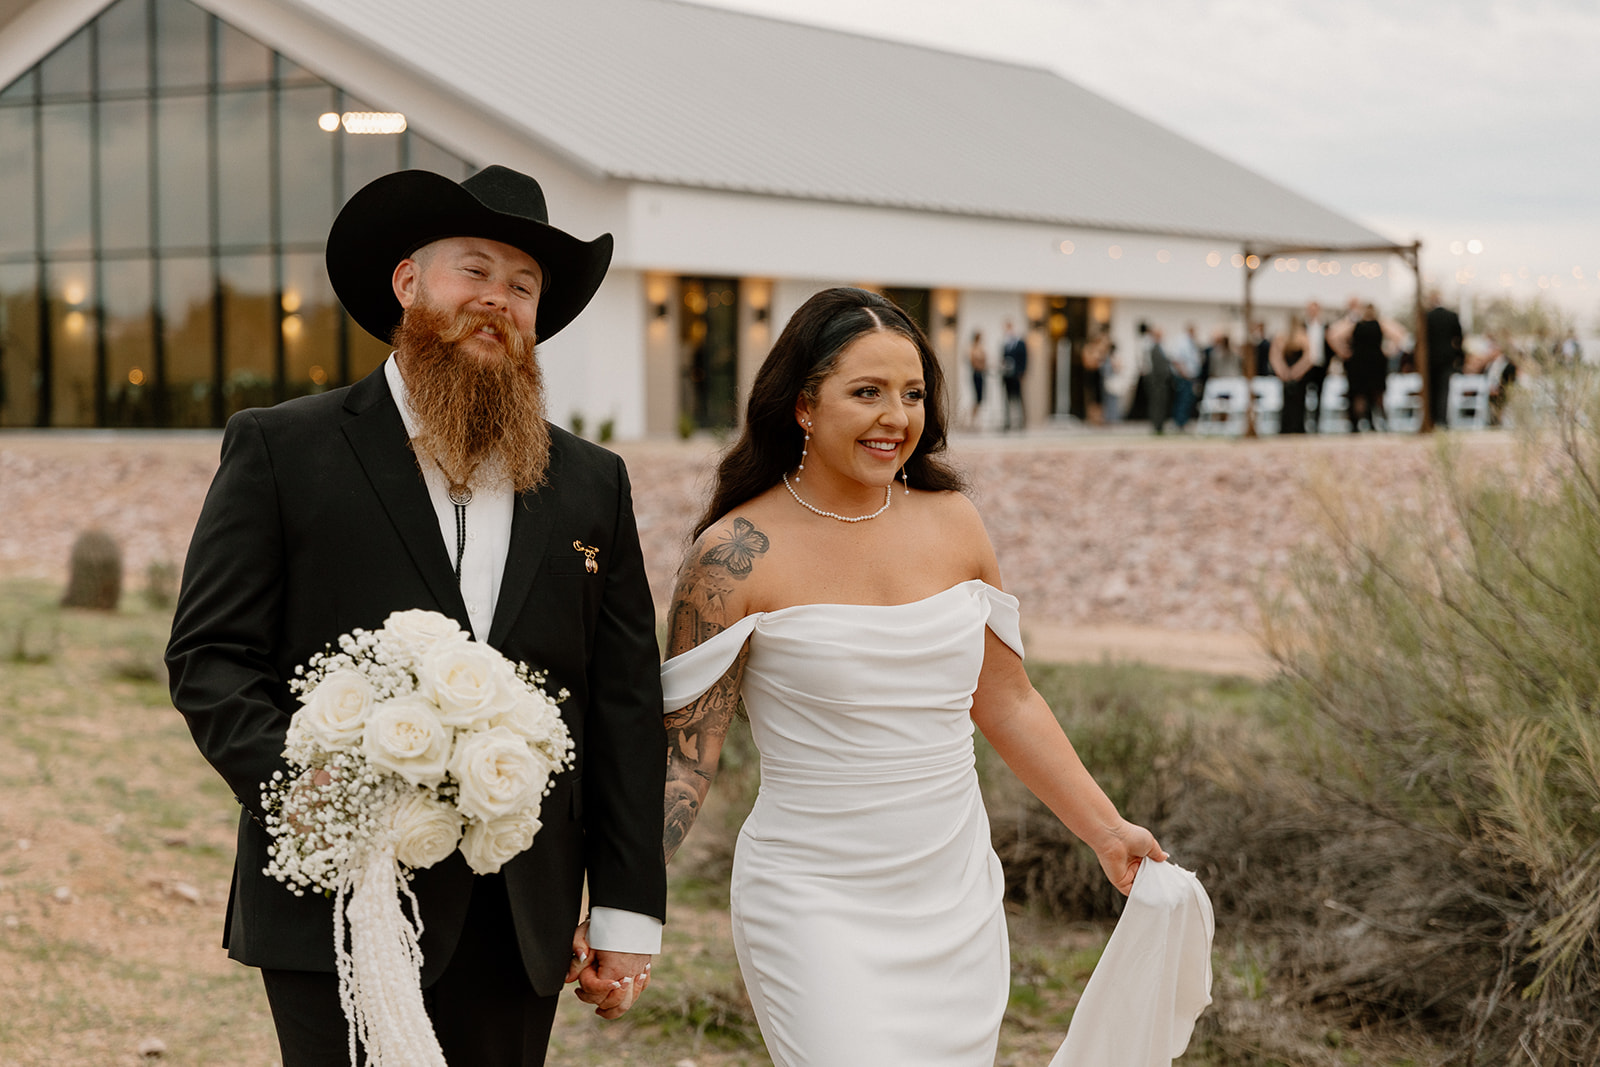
(888, 498)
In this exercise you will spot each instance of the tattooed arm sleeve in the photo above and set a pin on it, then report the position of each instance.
(701, 609)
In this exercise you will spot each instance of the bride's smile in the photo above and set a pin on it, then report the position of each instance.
(865, 420)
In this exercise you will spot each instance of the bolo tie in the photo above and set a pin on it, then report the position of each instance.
(460, 496)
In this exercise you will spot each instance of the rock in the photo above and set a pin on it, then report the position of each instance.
(62, 895)
(152, 1048)
(186, 891)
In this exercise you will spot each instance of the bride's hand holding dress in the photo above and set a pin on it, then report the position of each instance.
(1018, 722)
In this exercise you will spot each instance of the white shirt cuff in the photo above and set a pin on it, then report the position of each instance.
(616, 930)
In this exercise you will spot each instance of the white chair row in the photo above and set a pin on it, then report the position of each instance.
(1403, 402)
(1224, 402)
(1467, 402)
(1222, 405)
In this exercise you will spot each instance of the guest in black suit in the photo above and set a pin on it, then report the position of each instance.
(1013, 368)
(436, 483)
(1445, 355)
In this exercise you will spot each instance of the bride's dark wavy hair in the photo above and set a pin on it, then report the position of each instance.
(805, 354)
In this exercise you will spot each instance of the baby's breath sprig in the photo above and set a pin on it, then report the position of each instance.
(412, 742)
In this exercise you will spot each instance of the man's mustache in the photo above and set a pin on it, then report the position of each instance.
(466, 323)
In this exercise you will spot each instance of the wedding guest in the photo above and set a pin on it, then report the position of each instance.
(1184, 360)
(1096, 356)
(1013, 369)
(1318, 353)
(1158, 382)
(1366, 370)
(1257, 351)
(1442, 328)
(1224, 358)
(437, 482)
(978, 361)
(1290, 362)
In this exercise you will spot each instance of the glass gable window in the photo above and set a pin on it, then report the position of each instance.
(169, 184)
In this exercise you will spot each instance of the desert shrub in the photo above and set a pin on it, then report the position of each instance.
(161, 584)
(1435, 839)
(95, 575)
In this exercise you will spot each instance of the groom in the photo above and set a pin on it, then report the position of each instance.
(436, 483)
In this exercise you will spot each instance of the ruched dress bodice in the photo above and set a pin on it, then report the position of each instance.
(866, 897)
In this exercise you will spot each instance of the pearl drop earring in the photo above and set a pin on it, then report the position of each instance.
(803, 445)
(905, 481)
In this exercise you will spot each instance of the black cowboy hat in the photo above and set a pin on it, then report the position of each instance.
(392, 217)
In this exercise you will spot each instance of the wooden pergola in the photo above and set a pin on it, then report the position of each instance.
(1255, 259)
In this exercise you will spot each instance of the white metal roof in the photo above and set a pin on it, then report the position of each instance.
(670, 92)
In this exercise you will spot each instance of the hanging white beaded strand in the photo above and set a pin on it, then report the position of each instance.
(803, 445)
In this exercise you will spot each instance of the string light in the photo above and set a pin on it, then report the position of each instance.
(373, 122)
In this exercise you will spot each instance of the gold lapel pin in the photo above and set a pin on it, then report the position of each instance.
(589, 554)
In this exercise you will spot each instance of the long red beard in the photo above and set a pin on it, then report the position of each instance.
(474, 412)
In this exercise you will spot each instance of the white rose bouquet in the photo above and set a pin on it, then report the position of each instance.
(412, 741)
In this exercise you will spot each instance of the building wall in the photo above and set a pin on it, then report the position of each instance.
(619, 361)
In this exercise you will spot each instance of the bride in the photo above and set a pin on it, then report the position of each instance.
(845, 589)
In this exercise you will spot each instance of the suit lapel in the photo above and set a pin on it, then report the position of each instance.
(532, 519)
(378, 437)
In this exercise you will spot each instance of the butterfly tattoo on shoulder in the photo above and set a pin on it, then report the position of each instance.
(738, 553)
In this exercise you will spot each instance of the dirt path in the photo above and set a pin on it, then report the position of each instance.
(1118, 545)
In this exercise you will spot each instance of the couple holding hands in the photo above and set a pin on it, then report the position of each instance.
(840, 586)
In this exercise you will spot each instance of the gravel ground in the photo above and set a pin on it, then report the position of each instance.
(1111, 530)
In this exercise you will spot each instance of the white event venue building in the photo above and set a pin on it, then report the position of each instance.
(169, 170)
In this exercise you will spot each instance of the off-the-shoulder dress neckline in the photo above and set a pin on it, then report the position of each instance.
(886, 607)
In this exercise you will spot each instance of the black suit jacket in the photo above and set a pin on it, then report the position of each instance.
(319, 522)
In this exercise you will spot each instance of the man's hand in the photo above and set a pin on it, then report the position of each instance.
(319, 778)
(611, 981)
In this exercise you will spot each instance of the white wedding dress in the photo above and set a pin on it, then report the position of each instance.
(866, 897)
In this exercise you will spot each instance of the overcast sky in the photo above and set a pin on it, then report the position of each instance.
(1445, 120)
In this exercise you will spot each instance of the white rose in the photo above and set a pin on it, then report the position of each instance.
(487, 846)
(535, 720)
(470, 682)
(404, 735)
(428, 830)
(497, 774)
(417, 632)
(334, 714)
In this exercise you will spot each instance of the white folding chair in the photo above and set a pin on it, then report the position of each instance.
(1333, 407)
(1269, 403)
(1402, 402)
(1222, 407)
(1467, 403)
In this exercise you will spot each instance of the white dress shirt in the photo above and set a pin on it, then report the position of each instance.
(483, 565)
(1316, 342)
